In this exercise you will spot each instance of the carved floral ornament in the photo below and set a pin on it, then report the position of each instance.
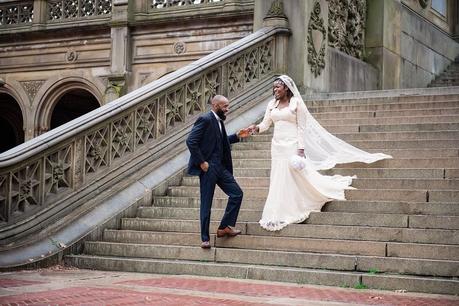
(276, 10)
(346, 26)
(316, 41)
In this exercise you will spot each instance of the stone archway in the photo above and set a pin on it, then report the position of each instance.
(11, 122)
(73, 104)
(64, 101)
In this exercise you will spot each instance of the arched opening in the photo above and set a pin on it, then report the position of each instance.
(71, 105)
(11, 123)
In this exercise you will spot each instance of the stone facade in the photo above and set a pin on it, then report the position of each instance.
(104, 48)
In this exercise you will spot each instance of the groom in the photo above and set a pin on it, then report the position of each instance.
(210, 158)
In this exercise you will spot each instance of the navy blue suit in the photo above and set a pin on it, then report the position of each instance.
(207, 143)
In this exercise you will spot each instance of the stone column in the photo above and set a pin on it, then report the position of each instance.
(382, 40)
(306, 54)
(117, 82)
(39, 14)
(454, 7)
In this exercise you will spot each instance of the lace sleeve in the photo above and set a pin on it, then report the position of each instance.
(266, 123)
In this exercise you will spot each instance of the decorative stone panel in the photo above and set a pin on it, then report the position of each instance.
(316, 41)
(346, 26)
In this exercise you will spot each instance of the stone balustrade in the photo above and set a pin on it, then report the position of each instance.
(44, 173)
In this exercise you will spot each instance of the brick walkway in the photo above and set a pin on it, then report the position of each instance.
(61, 286)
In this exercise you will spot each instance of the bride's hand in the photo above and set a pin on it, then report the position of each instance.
(300, 152)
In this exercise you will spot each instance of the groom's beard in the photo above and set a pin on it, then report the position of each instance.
(221, 114)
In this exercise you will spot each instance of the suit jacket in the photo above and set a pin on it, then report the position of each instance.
(205, 140)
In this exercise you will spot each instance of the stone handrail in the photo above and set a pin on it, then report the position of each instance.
(47, 171)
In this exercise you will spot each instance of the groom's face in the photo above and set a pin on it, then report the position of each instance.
(221, 108)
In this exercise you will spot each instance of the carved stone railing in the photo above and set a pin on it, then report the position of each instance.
(60, 10)
(46, 172)
(169, 3)
(16, 13)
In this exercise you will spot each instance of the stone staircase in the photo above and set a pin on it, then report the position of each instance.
(398, 230)
(450, 77)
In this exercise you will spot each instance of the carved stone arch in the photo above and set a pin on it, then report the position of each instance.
(13, 118)
(55, 92)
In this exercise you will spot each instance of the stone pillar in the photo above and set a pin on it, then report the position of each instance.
(117, 82)
(454, 7)
(309, 75)
(382, 40)
(39, 14)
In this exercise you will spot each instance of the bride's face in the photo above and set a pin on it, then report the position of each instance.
(279, 90)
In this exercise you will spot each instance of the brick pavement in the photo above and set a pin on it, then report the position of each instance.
(62, 286)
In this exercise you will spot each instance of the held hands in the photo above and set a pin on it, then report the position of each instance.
(250, 130)
(244, 133)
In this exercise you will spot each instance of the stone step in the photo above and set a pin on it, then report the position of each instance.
(245, 214)
(452, 162)
(326, 218)
(371, 144)
(356, 128)
(408, 127)
(360, 183)
(385, 106)
(245, 152)
(392, 207)
(262, 192)
(390, 120)
(386, 207)
(401, 173)
(380, 136)
(386, 113)
(360, 194)
(388, 234)
(393, 249)
(339, 99)
(295, 257)
(194, 202)
(268, 273)
(412, 235)
(384, 220)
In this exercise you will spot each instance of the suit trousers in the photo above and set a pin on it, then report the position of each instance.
(218, 175)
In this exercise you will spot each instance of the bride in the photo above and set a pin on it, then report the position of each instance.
(299, 148)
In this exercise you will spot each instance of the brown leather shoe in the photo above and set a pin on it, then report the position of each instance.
(205, 245)
(227, 231)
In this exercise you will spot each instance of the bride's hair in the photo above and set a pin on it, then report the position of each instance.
(289, 92)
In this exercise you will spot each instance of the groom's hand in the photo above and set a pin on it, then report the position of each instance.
(204, 166)
(244, 133)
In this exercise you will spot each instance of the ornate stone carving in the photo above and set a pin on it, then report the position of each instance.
(19, 13)
(346, 26)
(316, 41)
(179, 47)
(32, 87)
(276, 10)
(423, 3)
(71, 56)
(76, 9)
(158, 4)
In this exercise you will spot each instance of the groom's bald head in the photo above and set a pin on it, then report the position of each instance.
(220, 105)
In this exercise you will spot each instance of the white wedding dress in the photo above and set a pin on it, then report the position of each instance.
(294, 194)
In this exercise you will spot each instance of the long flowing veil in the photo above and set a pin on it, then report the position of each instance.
(323, 149)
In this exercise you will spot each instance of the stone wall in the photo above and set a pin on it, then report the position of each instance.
(425, 50)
